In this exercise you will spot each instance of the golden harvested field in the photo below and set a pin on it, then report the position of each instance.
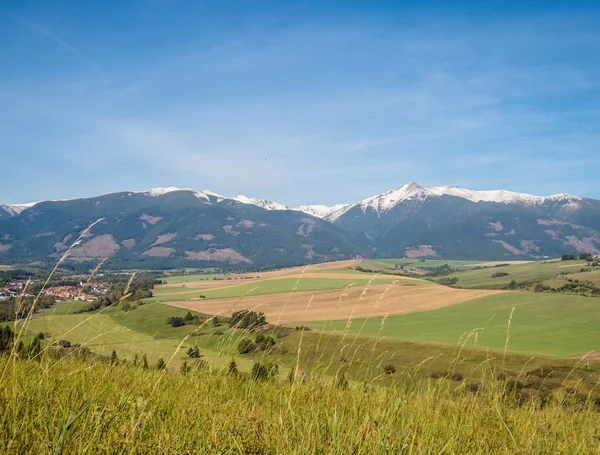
(355, 302)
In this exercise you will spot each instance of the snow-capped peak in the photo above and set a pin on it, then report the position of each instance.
(323, 211)
(263, 203)
(160, 191)
(17, 209)
(414, 191)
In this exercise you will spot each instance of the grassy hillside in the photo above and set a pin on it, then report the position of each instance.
(547, 324)
(71, 407)
(529, 272)
(141, 331)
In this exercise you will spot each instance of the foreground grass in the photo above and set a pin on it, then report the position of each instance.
(73, 407)
(542, 324)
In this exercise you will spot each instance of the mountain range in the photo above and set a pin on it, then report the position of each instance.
(173, 227)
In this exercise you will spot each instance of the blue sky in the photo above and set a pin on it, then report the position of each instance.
(301, 102)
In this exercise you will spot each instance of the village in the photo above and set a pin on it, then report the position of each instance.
(84, 292)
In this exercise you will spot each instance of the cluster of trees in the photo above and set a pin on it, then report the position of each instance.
(261, 343)
(190, 319)
(448, 281)
(581, 257)
(500, 274)
(442, 270)
(19, 307)
(264, 372)
(7, 344)
(245, 319)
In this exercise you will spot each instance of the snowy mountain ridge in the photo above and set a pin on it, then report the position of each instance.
(379, 203)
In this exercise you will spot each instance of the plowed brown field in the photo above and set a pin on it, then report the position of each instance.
(376, 300)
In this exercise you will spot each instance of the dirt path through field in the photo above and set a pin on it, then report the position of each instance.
(358, 302)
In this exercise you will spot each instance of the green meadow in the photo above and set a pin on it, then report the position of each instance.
(195, 277)
(529, 272)
(270, 286)
(140, 331)
(542, 324)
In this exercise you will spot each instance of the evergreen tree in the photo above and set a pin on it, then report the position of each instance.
(185, 368)
(194, 352)
(136, 360)
(160, 365)
(145, 362)
(35, 349)
(232, 367)
(20, 349)
(114, 358)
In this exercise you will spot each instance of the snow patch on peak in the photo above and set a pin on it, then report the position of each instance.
(160, 191)
(156, 192)
(17, 209)
(263, 203)
(219, 197)
(414, 192)
(323, 211)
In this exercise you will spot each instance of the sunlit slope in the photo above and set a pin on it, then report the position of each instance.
(546, 324)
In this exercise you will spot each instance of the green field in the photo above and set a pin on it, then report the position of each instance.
(143, 330)
(186, 278)
(272, 286)
(530, 272)
(592, 277)
(545, 324)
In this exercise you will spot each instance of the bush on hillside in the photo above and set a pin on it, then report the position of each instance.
(499, 274)
(175, 321)
(245, 319)
(246, 346)
(194, 352)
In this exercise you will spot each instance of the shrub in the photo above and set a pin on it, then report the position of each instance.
(245, 346)
(176, 321)
(389, 369)
(499, 274)
(245, 319)
(264, 372)
(64, 344)
(259, 372)
(185, 368)
(569, 257)
(448, 281)
(232, 367)
(458, 377)
(35, 349)
(161, 365)
(194, 352)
